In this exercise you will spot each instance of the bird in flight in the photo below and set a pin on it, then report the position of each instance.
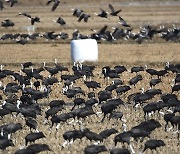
(12, 2)
(55, 4)
(113, 12)
(103, 13)
(33, 19)
(60, 21)
(84, 16)
(123, 22)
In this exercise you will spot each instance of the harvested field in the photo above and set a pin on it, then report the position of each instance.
(151, 53)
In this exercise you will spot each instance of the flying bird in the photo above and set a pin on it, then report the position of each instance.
(113, 12)
(84, 16)
(103, 13)
(12, 2)
(25, 14)
(33, 19)
(123, 22)
(77, 12)
(55, 4)
(60, 21)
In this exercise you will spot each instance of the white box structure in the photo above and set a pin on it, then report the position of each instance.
(84, 50)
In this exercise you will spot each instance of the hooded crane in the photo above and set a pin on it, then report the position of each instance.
(4, 143)
(37, 148)
(119, 151)
(92, 84)
(95, 149)
(71, 136)
(153, 144)
(33, 136)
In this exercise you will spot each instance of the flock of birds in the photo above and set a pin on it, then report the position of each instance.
(87, 97)
(122, 32)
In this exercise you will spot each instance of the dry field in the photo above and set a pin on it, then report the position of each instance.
(154, 53)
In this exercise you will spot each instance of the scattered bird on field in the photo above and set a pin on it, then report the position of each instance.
(92, 84)
(175, 122)
(92, 149)
(135, 79)
(153, 144)
(109, 73)
(86, 113)
(91, 95)
(113, 12)
(103, 14)
(4, 143)
(177, 79)
(111, 87)
(26, 65)
(60, 118)
(52, 111)
(37, 148)
(12, 128)
(107, 132)
(110, 106)
(167, 118)
(71, 136)
(22, 41)
(120, 69)
(25, 151)
(4, 112)
(31, 123)
(122, 89)
(176, 88)
(7, 23)
(137, 69)
(119, 151)
(117, 82)
(123, 22)
(104, 95)
(12, 2)
(78, 101)
(92, 136)
(32, 137)
(56, 103)
(124, 138)
(60, 21)
(154, 82)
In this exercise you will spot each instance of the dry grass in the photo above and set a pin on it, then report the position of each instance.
(128, 54)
